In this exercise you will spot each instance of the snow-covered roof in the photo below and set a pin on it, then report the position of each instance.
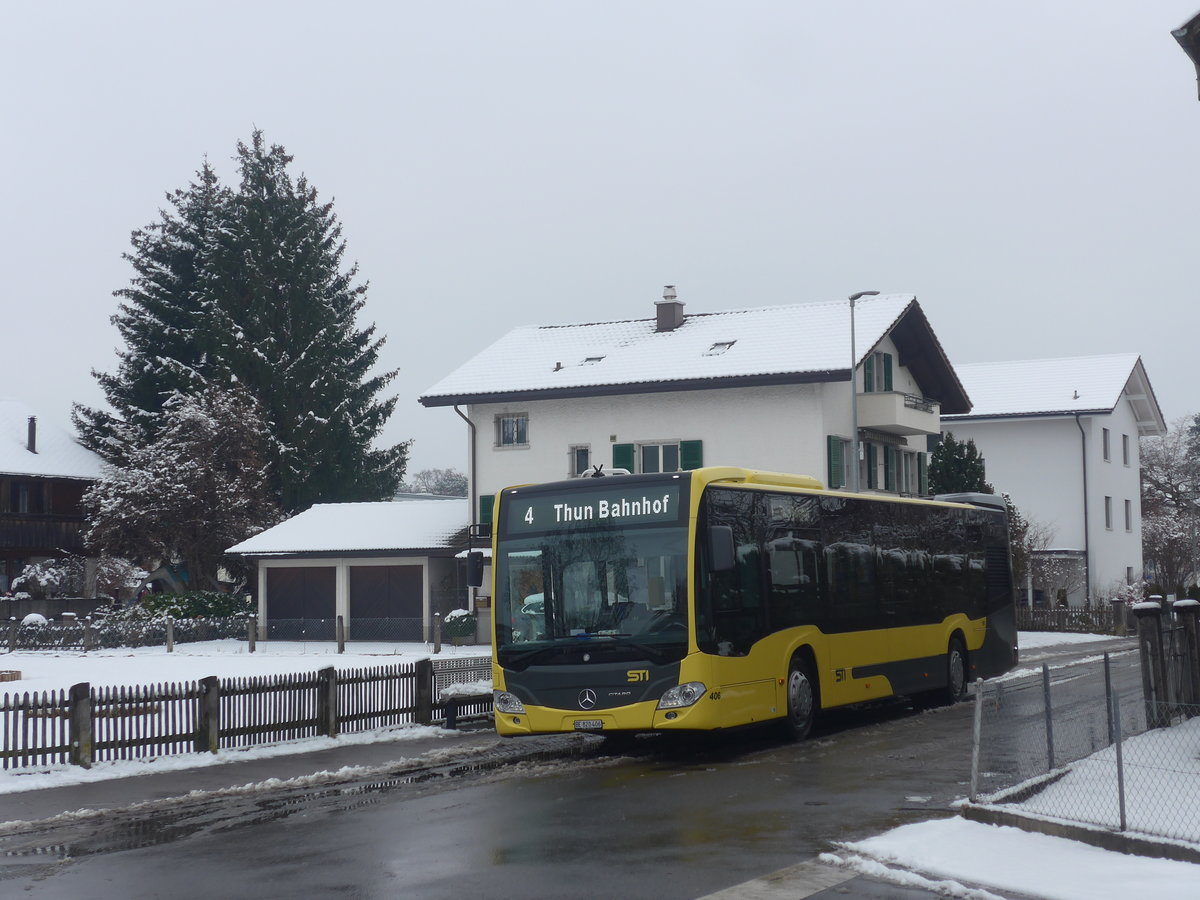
(342, 528)
(772, 344)
(1060, 387)
(58, 454)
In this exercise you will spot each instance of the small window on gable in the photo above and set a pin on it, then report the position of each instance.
(718, 348)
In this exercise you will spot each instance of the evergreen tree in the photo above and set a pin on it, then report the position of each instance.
(161, 321)
(247, 287)
(199, 487)
(956, 467)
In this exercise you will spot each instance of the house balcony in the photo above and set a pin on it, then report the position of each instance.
(32, 533)
(894, 412)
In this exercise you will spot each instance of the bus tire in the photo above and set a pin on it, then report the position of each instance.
(956, 671)
(801, 700)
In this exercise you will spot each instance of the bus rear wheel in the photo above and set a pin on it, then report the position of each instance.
(956, 671)
(801, 701)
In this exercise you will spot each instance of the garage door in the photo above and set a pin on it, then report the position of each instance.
(385, 592)
(304, 592)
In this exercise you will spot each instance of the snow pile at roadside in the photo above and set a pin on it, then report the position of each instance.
(945, 854)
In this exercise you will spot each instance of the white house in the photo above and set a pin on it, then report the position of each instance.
(765, 388)
(1060, 436)
(384, 567)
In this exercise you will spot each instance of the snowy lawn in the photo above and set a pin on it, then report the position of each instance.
(47, 670)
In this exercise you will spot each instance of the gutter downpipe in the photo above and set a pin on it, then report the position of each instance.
(471, 466)
(1087, 550)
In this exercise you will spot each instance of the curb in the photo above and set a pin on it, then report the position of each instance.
(1119, 841)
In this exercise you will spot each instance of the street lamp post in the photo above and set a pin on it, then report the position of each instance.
(854, 486)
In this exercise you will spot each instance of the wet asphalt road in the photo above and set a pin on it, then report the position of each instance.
(676, 819)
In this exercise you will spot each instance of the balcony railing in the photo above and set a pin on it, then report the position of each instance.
(51, 534)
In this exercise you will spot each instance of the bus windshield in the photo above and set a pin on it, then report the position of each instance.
(615, 585)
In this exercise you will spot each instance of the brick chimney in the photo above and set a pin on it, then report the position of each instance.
(32, 444)
(669, 310)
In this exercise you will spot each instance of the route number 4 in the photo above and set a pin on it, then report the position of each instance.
(529, 516)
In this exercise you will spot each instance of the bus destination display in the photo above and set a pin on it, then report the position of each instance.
(641, 505)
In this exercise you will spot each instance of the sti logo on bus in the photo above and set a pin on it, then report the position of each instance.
(592, 508)
(633, 675)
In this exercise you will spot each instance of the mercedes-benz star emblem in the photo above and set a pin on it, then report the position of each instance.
(587, 698)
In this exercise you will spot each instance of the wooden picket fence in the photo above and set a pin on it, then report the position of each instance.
(87, 724)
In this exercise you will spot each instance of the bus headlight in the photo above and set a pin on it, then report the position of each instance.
(503, 701)
(682, 695)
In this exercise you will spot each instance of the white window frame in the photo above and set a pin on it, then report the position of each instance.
(639, 450)
(572, 451)
(1108, 513)
(1125, 449)
(500, 443)
(1106, 439)
(1129, 515)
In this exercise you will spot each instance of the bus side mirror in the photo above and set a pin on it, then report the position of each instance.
(721, 556)
(475, 569)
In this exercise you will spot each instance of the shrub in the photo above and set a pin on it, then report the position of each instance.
(198, 605)
(459, 623)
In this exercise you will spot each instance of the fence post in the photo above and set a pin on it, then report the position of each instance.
(1114, 716)
(1049, 718)
(437, 632)
(1120, 623)
(79, 711)
(327, 707)
(208, 720)
(13, 625)
(976, 739)
(251, 633)
(424, 692)
(89, 635)
(1108, 693)
(1188, 610)
(341, 634)
(170, 635)
(1150, 643)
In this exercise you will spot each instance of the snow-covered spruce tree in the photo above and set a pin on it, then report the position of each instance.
(267, 306)
(200, 486)
(161, 318)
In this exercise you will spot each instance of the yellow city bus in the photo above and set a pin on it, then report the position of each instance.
(724, 597)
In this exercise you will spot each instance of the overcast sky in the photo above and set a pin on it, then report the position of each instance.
(1030, 170)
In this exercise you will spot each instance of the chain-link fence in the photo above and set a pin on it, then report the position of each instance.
(1073, 745)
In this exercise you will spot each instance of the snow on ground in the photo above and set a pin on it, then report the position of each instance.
(1035, 640)
(44, 670)
(946, 855)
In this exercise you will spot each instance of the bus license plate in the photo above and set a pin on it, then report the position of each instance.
(589, 724)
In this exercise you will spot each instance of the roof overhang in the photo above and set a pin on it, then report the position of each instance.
(922, 354)
(645, 387)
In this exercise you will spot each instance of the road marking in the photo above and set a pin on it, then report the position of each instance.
(793, 883)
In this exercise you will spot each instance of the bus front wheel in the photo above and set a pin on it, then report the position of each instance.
(801, 701)
(956, 671)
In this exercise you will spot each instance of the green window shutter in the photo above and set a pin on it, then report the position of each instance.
(889, 468)
(869, 374)
(922, 475)
(872, 478)
(837, 461)
(623, 456)
(691, 455)
(887, 371)
(486, 502)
